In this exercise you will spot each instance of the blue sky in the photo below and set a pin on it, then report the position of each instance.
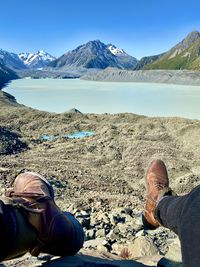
(140, 27)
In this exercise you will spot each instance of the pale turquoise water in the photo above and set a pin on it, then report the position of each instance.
(101, 97)
(75, 135)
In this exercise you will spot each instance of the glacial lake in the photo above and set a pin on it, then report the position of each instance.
(57, 95)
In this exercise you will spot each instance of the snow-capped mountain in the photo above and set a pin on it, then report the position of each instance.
(38, 60)
(95, 54)
(11, 60)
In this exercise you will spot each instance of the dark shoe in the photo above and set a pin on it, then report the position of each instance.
(157, 185)
(56, 232)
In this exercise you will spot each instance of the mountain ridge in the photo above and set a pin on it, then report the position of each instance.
(184, 55)
(95, 54)
(98, 55)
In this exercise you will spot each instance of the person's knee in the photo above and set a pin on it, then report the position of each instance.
(66, 237)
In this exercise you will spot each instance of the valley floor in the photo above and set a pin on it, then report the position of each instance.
(104, 172)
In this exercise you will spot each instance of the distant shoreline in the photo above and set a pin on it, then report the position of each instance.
(177, 77)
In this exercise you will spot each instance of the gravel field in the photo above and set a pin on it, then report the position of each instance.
(101, 178)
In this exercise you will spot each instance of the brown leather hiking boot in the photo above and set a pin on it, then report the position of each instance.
(157, 185)
(34, 184)
(56, 231)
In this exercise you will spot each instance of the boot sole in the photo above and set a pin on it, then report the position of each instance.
(147, 225)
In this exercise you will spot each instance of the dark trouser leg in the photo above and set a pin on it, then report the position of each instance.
(182, 215)
(17, 236)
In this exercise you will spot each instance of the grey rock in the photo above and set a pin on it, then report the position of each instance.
(74, 110)
(101, 233)
(140, 233)
(142, 246)
(96, 244)
(85, 222)
(112, 236)
(90, 234)
(99, 219)
(116, 230)
(84, 213)
(116, 218)
(125, 228)
(174, 253)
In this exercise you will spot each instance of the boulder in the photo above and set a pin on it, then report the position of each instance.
(173, 256)
(89, 234)
(74, 110)
(98, 244)
(142, 246)
(101, 233)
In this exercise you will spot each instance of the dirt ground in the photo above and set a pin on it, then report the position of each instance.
(106, 170)
(103, 172)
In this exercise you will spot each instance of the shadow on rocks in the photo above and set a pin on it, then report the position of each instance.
(10, 142)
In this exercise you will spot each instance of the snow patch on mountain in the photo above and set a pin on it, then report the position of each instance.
(38, 60)
(116, 51)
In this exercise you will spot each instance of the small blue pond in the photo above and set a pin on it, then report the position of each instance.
(48, 137)
(75, 135)
(79, 135)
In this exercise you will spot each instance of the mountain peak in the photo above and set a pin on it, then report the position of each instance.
(39, 59)
(95, 54)
(189, 40)
(41, 52)
(192, 37)
(96, 41)
(96, 44)
(193, 34)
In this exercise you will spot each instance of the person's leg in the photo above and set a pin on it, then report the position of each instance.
(178, 213)
(58, 233)
(17, 235)
(182, 215)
